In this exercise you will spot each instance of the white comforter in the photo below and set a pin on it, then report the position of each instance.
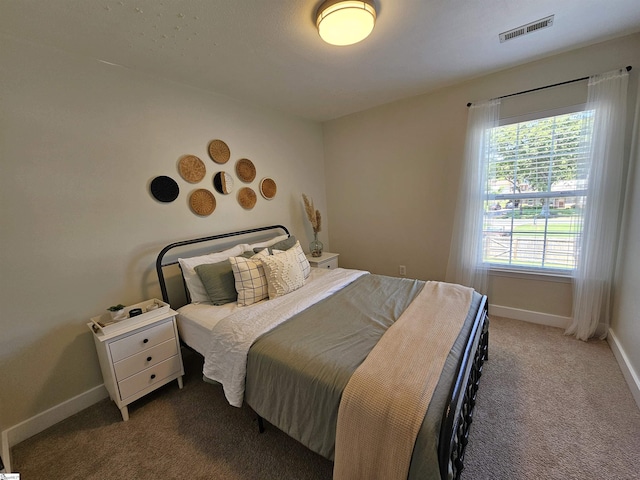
(231, 338)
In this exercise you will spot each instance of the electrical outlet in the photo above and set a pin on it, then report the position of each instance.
(402, 270)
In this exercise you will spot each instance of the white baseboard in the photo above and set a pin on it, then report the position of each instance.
(6, 458)
(530, 316)
(629, 373)
(36, 424)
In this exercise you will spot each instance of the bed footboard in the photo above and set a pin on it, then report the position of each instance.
(458, 413)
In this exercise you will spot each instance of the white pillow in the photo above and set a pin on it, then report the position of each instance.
(250, 279)
(196, 289)
(268, 243)
(302, 259)
(284, 273)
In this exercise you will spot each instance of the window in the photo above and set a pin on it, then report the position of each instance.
(535, 193)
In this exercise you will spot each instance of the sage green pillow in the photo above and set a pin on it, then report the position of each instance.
(218, 281)
(283, 245)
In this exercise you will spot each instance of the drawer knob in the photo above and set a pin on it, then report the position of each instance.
(146, 340)
(148, 359)
(153, 375)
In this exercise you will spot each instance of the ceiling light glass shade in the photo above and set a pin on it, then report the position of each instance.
(345, 22)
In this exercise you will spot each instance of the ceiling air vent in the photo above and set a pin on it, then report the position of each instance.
(528, 28)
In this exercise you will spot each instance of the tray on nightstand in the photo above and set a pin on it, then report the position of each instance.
(105, 324)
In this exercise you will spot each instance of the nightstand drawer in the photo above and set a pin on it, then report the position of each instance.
(145, 359)
(149, 376)
(326, 260)
(332, 263)
(141, 341)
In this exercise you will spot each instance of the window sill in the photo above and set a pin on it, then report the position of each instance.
(532, 275)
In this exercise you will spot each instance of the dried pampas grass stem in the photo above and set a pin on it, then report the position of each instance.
(312, 214)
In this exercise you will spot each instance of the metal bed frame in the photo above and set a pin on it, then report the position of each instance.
(458, 413)
(160, 263)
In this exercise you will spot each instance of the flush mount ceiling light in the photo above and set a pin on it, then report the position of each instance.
(345, 22)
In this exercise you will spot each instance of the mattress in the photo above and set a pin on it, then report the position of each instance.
(197, 320)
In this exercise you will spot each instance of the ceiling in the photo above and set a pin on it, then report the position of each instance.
(268, 53)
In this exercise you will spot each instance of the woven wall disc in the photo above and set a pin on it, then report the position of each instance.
(219, 151)
(202, 202)
(247, 198)
(245, 170)
(191, 168)
(164, 189)
(223, 183)
(268, 188)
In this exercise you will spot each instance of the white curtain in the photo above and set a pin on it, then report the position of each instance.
(607, 97)
(466, 265)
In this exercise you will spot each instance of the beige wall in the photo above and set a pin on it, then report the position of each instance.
(626, 318)
(79, 142)
(392, 172)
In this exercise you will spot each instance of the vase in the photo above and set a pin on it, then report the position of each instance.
(315, 247)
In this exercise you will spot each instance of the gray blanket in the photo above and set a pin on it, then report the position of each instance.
(296, 372)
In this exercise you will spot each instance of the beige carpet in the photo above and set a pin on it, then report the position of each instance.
(552, 407)
(549, 407)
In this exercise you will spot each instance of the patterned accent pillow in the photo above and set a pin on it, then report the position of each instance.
(250, 280)
(283, 272)
(302, 258)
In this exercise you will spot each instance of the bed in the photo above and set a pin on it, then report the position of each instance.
(297, 366)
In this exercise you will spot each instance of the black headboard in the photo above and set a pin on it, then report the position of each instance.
(214, 240)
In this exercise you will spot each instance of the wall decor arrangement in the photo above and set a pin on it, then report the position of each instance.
(219, 151)
(268, 188)
(245, 170)
(202, 201)
(223, 183)
(191, 168)
(247, 198)
(164, 189)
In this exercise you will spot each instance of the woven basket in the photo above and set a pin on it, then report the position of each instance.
(245, 170)
(247, 198)
(219, 151)
(223, 183)
(191, 168)
(268, 188)
(164, 189)
(202, 202)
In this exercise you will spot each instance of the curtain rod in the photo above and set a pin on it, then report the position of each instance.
(628, 68)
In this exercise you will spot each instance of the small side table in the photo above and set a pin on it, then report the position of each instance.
(326, 260)
(138, 355)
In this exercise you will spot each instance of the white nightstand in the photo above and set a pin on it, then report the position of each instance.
(138, 355)
(326, 260)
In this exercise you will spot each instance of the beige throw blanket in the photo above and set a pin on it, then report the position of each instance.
(386, 399)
